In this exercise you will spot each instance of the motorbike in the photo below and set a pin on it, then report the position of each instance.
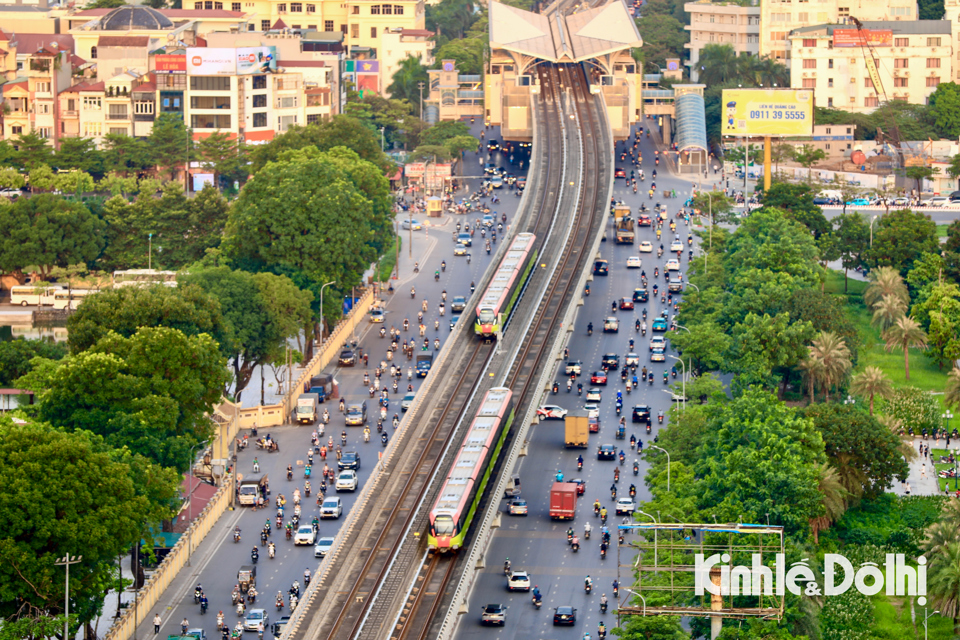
(636, 469)
(603, 607)
(556, 388)
(537, 602)
(660, 417)
(279, 603)
(254, 555)
(272, 551)
(588, 587)
(236, 535)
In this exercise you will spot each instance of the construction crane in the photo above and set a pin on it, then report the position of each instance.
(870, 61)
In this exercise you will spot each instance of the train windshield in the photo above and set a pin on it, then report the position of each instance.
(443, 525)
(487, 316)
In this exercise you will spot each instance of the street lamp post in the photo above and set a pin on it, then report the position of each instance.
(927, 616)
(872, 220)
(321, 307)
(66, 561)
(382, 129)
(644, 600)
(683, 401)
(690, 284)
(653, 446)
(420, 86)
(149, 251)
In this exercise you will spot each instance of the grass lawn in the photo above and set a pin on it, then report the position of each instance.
(389, 262)
(893, 620)
(935, 454)
(942, 231)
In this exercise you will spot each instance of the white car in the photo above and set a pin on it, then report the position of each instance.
(631, 360)
(322, 547)
(304, 535)
(347, 481)
(411, 225)
(551, 412)
(254, 618)
(646, 247)
(936, 201)
(676, 245)
(518, 581)
(673, 264)
(332, 507)
(633, 262)
(593, 394)
(625, 506)
(593, 410)
(460, 249)
(658, 342)
(376, 316)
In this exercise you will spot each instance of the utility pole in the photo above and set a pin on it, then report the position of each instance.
(420, 86)
(66, 561)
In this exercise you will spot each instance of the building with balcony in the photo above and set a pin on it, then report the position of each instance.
(397, 44)
(911, 57)
(779, 17)
(30, 97)
(733, 23)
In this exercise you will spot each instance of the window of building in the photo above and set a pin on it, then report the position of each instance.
(119, 131)
(901, 42)
(373, 32)
(830, 102)
(209, 102)
(827, 146)
(171, 81)
(933, 81)
(260, 101)
(42, 87)
(809, 83)
(264, 25)
(355, 10)
(285, 122)
(92, 129)
(853, 81)
(210, 83)
(16, 129)
(830, 63)
(71, 105)
(829, 131)
(809, 63)
(170, 104)
(117, 112)
(296, 7)
(44, 132)
(849, 145)
(93, 53)
(328, 25)
(398, 9)
(387, 9)
(143, 107)
(374, 9)
(235, 6)
(198, 6)
(312, 8)
(43, 108)
(314, 118)
(92, 103)
(901, 82)
(218, 6)
(871, 101)
(830, 83)
(933, 42)
(868, 83)
(354, 31)
(778, 35)
(343, 29)
(900, 11)
(803, 17)
(287, 102)
(843, 11)
(208, 5)
(933, 63)
(901, 63)
(260, 119)
(282, 8)
(259, 82)
(210, 121)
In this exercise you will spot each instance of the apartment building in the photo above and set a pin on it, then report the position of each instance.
(734, 23)
(912, 58)
(29, 97)
(779, 17)
(397, 44)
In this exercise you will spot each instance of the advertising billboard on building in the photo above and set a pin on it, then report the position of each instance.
(169, 63)
(859, 38)
(767, 112)
(211, 62)
(252, 60)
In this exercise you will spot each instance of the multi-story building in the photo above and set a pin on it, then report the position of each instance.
(779, 17)
(733, 23)
(397, 44)
(29, 98)
(912, 58)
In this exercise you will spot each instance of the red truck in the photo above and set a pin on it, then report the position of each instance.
(563, 500)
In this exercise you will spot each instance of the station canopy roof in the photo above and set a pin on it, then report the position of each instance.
(563, 38)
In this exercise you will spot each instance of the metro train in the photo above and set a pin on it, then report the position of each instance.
(461, 492)
(501, 294)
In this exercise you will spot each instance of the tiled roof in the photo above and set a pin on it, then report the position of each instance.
(30, 42)
(123, 41)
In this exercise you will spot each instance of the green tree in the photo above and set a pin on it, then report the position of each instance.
(945, 104)
(405, 84)
(938, 311)
(289, 311)
(827, 363)
(460, 144)
(150, 392)
(431, 152)
(885, 281)
(467, 52)
(919, 174)
(451, 18)
(105, 4)
(930, 9)
(906, 333)
(96, 508)
(663, 37)
(75, 182)
(853, 240)
(11, 178)
(943, 583)
(124, 154)
(15, 357)
(32, 150)
(951, 393)
(81, 154)
(900, 237)
(443, 131)
(222, 156)
(719, 63)
(651, 628)
(716, 207)
(41, 178)
(46, 231)
(953, 170)
(769, 239)
(887, 312)
(170, 144)
(870, 383)
(706, 343)
(117, 185)
(807, 156)
(762, 344)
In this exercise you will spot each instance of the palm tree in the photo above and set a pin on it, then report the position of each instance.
(833, 356)
(812, 371)
(943, 582)
(904, 334)
(888, 311)
(951, 395)
(885, 281)
(833, 497)
(719, 63)
(871, 382)
(405, 86)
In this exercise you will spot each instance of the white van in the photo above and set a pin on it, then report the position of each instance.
(28, 294)
(70, 299)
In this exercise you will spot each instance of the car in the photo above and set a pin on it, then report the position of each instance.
(658, 342)
(611, 325)
(593, 424)
(517, 507)
(356, 414)
(673, 265)
(640, 295)
(346, 481)
(581, 485)
(521, 182)
(496, 182)
(619, 173)
(518, 581)
(634, 262)
(610, 361)
(606, 452)
(376, 315)
(936, 201)
(411, 225)
(11, 193)
(593, 394)
(197, 633)
(453, 321)
(823, 201)
(488, 221)
(593, 410)
(460, 249)
(348, 358)
(254, 618)
(626, 303)
(573, 368)
(646, 246)
(331, 507)
(598, 377)
(494, 614)
(277, 627)
(676, 245)
(631, 360)
(600, 268)
(625, 506)
(407, 401)
(465, 239)
(564, 615)
(322, 547)
(349, 460)
(954, 196)
(304, 535)
(859, 202)
(644, 221)
(641, 414)
(493, 145)
(657, 356)
(458, 304)
(489, 167)
(678, 397)
(551, 412)
(660, 324)
(675, 285)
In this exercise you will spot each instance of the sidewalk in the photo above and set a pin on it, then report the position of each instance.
(922, 466)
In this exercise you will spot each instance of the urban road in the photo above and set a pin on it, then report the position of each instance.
(216, 561)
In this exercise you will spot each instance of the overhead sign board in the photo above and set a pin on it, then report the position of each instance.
(862, 37)
(169, 63)
(767, 112)
(253, 60)
(211, 62)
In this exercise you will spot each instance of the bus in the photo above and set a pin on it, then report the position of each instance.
(29, 294)
(143, 277)
(70, 299)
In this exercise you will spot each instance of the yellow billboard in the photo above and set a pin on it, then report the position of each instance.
(767, 112)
